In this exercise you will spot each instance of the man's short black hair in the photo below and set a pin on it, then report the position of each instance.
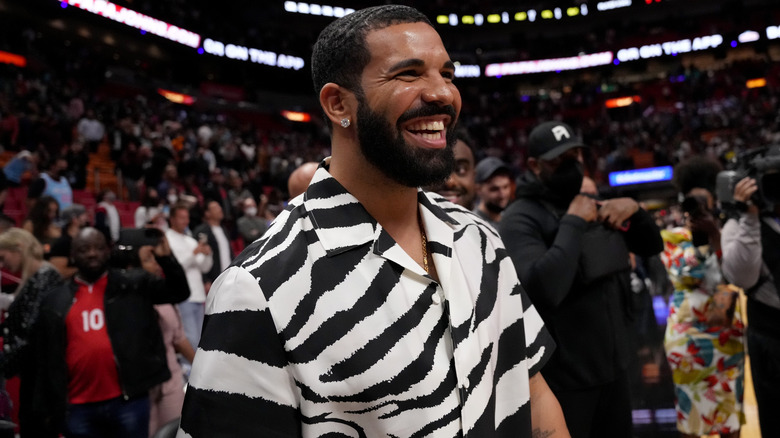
(340, 53)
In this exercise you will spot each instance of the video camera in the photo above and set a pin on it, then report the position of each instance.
(125, 251)
(134, 238)
(762, 164)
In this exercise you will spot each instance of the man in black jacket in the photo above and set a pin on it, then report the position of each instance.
(98, 344)
(572, 255)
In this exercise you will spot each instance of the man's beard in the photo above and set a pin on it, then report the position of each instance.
(384, 146)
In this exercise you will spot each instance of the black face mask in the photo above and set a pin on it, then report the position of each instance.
(565, 182)
(493, 207)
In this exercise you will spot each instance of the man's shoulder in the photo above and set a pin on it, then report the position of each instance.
(524, 207)
(203, 227)
(281, 235)
(453, 211)
(243, 220)
(58, 296)
(462, 216)
(125, 277)
(170, 233)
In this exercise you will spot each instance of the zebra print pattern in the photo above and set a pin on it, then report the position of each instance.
(325, 327)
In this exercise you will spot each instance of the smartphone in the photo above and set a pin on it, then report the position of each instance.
(202, 238)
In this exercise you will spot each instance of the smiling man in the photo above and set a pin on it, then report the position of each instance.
(371, 308)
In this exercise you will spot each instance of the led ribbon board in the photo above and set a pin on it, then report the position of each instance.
(176, 34)
(548, 65)
(640, 176)
(131, 18)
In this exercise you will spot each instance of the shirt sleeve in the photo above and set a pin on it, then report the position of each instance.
(140, 217)
(240, 384)
(741, 247)
(538, 341)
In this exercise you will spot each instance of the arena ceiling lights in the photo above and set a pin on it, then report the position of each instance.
(315, 9)
(529, 15)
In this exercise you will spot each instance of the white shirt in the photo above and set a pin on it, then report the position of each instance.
(114, 223)
(90, 129)
(224, 247)
(195, 265)
(145, 214)
(326, 325)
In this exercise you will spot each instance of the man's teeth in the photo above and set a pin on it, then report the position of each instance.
(427, 126)
(434, 136)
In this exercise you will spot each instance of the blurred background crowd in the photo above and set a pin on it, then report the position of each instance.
(90, 133)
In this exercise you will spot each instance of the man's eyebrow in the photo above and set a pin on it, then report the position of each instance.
(417, 62)
(406, 63)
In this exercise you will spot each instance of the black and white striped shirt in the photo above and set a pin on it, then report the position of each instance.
(326, 327)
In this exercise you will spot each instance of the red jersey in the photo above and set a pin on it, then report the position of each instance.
(92, 371)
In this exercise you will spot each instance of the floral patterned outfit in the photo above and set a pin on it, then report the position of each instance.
(707, 361)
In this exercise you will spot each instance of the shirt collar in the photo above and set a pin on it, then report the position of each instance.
(342, 223)
(82, 282)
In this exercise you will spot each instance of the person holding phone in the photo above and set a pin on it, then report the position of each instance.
(98, 344)
(216, 237)
(196, 259)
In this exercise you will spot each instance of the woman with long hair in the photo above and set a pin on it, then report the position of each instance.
(42, 222)
(21, 252)
(704, 334)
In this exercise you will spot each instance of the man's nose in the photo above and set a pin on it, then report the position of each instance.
(439, 90)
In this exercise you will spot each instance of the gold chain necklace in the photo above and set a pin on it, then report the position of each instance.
(424, 245)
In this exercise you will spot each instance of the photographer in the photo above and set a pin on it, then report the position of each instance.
(751, 260)
(135, 249)
(99, 346)
(572, 256)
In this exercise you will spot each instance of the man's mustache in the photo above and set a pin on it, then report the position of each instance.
(427, 111)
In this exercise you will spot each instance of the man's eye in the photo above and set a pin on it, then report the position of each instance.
(461, 169)
(448, 75)
(407, 73)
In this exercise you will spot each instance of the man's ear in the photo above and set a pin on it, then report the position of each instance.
(337, 103)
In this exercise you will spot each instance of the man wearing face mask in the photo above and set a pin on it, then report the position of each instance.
(250, 225)
(571, 252)
(494, 188)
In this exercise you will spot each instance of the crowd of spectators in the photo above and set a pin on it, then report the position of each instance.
(194, 153)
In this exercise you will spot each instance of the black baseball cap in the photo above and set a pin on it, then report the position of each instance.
(487, 167)
(551, 139)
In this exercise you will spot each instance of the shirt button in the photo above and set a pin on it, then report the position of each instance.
(436, 299)
(466, 383)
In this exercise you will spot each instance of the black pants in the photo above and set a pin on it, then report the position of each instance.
(598, 412)
(765, 367)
